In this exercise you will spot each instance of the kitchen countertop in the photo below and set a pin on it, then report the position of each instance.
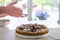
(6, 34)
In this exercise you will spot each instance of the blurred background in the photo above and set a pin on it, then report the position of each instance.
(43, 12)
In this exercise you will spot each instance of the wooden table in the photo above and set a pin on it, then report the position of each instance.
(6, 34)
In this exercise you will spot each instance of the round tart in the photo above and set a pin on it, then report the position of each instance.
(32, 29)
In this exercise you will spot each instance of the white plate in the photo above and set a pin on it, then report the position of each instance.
(24, 36)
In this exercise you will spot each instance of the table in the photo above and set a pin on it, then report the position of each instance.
(6, 34)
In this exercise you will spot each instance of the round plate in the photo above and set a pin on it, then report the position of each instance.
(24, 36)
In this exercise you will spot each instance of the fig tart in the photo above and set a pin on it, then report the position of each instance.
(32, 29)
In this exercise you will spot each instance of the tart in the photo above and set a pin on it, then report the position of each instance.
(32, 29)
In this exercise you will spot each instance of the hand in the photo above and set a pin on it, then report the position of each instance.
(10, 10)
(13, 11)
(3, 11)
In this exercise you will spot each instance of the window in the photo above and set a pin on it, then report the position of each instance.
(46, 12)
(47, 8)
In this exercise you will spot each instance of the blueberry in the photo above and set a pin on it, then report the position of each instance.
(32, 30)
(21, 28)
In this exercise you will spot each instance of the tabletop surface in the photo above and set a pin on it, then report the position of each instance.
(6, 34)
